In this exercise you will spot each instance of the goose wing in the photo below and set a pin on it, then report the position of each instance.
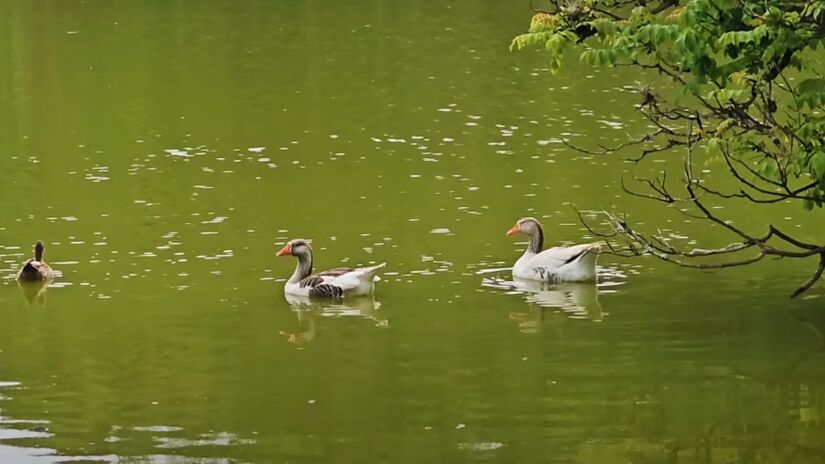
(335, 282)
(323, 285)
(559, 256)
(352, 278)
(332, 282)
(337, 272)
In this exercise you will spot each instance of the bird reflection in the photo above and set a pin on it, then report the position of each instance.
(577, 300)
(307, 309)
(35, 291)
(814, 319)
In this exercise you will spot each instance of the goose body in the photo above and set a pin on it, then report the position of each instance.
(334, 283)
(35, 269)
(575, 263)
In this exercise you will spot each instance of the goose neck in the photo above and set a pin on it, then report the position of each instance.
(303, 269)
(536, 241)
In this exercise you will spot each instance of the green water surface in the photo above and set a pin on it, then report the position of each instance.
(165, 150)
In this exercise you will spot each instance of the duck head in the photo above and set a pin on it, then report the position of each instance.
(38, 251)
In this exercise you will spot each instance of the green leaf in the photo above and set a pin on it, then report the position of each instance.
(817, 165)
(811, 92)
(738, 38)
(726, 95)
(808, 204)
(712, 145)
(768, 169)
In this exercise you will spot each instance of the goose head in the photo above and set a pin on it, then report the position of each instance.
(298, 248)
(526, 226)
(301, 250)
(531, 227)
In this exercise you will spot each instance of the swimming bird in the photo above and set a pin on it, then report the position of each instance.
(335, 283)
(35, 269)
(575, 263)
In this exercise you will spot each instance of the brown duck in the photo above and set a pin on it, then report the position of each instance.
(35, 269)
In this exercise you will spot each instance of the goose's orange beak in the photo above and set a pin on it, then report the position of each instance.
(285, 251)
(513, 230)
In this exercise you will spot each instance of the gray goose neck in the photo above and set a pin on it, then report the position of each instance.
(536, 241)
(304, 267)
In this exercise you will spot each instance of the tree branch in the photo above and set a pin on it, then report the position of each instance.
(639, 244)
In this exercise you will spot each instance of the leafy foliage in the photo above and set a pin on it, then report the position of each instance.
(736, 59)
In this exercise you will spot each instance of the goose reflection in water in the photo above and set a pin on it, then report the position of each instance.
(307, 309)
(576, 300)
(812, 317)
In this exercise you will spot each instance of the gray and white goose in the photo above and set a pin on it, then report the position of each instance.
(334, 283)
(575, 263)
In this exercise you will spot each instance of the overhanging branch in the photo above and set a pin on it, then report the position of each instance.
(774, 242)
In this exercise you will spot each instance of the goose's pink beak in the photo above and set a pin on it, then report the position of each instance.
(513, 230)
(285, 251)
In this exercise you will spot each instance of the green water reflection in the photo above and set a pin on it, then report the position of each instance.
(164, 149)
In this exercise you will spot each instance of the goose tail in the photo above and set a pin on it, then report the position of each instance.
(369, 274)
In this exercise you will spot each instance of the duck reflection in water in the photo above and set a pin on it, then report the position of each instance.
(34, 292)
(576, 300)
(307, 309)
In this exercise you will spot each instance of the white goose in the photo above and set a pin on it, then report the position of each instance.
(575, 263)
(335, 283)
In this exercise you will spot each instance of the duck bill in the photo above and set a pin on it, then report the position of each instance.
(513, 230)
(285, 251)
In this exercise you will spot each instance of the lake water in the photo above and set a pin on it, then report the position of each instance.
(165, 151)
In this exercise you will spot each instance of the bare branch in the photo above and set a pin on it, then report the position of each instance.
(640, 244)
(813, 278)
(791, 240)
(649, 151)
(607, 13)
(608, 150)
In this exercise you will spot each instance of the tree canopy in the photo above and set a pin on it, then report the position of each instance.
(750, 90)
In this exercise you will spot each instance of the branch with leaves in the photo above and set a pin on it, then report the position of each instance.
(751, 92)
